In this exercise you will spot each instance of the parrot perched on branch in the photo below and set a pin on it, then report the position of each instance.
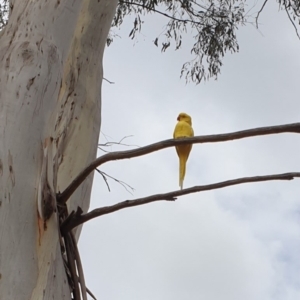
(183, 129)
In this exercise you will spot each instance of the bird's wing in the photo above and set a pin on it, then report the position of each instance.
(183, 129)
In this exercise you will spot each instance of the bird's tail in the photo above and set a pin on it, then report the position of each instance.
(182, 165)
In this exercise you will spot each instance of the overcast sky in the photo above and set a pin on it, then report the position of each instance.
(240, 242)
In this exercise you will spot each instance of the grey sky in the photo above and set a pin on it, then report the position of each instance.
(236, 243)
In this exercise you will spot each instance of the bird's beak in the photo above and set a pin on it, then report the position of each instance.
(178, 118)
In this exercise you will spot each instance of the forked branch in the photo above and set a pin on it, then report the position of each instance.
(78, 218)
(66, 194)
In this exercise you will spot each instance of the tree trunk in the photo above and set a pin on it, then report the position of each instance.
(50, 103)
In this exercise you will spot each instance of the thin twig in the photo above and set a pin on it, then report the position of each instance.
(109, 144)
(161, 13)
(105, 180)
(293, 23)
(108, 81)
(124, 184)
(171, 196)
(261, 9)
(125, 137)
(118, 155)
(106, 136)
(91, 294)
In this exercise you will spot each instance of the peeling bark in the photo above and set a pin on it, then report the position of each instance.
(50, 104)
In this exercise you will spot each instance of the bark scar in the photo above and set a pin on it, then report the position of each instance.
(1, 168)
(11, 170)
(46, 192)
(30, 83)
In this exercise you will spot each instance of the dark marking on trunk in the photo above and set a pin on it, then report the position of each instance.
(48, 202)
(25, 45)
(72, 84)
(13, 37)
(27, 54)
(30, 83)
(57, 122)
(52, 58)
(38, 43)
(61, 159)
(57, 141)
(7, 62)
(1, 168)
(11, 170)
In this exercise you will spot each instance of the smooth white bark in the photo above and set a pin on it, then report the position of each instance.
(50, 87)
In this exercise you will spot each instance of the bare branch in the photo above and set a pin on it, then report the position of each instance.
(79, 268)
(78, 219)
(65, 195)
(72, 266)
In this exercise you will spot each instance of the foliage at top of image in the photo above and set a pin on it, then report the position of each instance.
(212, 23)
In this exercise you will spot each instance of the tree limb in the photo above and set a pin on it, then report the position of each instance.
(78, 219)
(72, 266)
(81, 279)
(66, 194)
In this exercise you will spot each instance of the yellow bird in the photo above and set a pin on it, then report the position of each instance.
(183, 129)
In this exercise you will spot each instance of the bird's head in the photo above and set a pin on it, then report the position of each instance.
(184, 117)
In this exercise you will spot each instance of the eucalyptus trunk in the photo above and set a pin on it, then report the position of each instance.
(50, 111)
